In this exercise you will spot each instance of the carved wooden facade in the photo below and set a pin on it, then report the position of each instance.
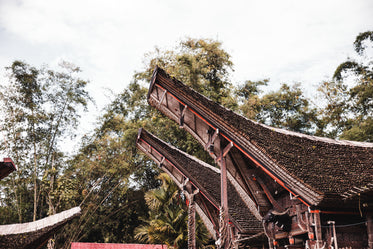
(309, 191)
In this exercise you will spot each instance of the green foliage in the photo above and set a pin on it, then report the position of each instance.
(40, 108)
(109, 158)
(199, 63)
(361, 40)
(116, 186)
(349, 109)
(168, 216)
(101, 174)
(285, 108)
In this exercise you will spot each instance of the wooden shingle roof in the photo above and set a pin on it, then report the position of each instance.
(319, 170)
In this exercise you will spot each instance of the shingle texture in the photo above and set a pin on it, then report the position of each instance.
(207, 179)
(328, 167)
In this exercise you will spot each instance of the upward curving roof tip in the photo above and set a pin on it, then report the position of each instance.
(159, 71)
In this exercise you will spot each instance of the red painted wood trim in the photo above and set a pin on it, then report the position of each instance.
(317, 211)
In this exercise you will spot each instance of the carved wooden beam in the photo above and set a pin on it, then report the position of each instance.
(210, 144)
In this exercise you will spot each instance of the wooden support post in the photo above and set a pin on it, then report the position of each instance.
(334, 236)
(224, 201)
(224, 188)
(370, 230)
(192, 222)
(318, 231)
(270, 243)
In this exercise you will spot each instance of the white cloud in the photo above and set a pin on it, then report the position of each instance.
(284, 40)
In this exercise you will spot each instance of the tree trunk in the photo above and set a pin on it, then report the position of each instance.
(35, 173)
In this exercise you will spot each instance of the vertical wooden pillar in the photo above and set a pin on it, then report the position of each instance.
(191, 223)
(370, 230)
(224, 225)
(318, 231)
(224, 240)
(224, 189)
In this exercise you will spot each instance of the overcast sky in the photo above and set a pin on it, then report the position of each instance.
(284, 40)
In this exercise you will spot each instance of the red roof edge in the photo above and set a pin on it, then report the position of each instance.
(84, 245)
(9, 160)
(6, 167)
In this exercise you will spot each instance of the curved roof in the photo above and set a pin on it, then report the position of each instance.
(34, 234)
(318, 168)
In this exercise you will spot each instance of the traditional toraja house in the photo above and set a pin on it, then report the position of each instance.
(6, 167)
(31, 235)
(200, 183)
(310, 192)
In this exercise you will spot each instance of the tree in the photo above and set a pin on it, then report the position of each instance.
(21, 106)
(109, 159)
(40, 108)
(101, 177)
(199, 63)
(349, 107)
(285, 108)
(167, 223)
